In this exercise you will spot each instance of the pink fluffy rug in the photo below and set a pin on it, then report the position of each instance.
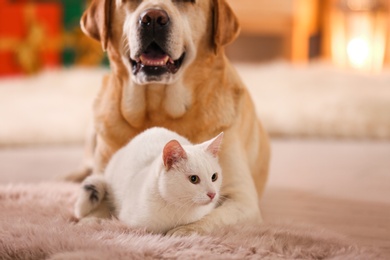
(37, 222)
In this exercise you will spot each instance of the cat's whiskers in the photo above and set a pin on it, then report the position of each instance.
(178, 202)
(222, 199)
(187, 204)
(175, 207)
(189, 207)
(184, 213)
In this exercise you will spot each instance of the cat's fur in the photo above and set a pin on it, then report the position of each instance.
(148, 183)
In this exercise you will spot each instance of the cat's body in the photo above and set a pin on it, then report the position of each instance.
(156, 183)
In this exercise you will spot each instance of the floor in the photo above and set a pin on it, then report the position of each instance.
(342, 186)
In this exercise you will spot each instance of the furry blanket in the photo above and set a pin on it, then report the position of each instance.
(37, 222)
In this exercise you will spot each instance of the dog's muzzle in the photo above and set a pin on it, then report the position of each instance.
(153, 59)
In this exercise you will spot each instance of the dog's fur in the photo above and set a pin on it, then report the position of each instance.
(205, 97)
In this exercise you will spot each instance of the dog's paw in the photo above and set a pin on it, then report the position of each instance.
(76, 176)
(187, 230)
(90, 221)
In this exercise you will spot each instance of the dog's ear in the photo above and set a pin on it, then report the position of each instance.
(226, 26)
(95, 21)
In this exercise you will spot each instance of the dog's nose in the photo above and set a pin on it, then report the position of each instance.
(154, 17)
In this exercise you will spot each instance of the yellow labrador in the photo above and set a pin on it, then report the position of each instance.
(169, 69)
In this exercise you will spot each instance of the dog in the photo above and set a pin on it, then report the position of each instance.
(169, 69)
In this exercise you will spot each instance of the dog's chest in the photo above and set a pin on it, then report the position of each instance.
(195, 115)
(154, 98)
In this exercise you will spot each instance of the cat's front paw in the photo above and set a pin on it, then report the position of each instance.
(185, 231)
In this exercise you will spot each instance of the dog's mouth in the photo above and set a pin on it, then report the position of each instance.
(155, 61)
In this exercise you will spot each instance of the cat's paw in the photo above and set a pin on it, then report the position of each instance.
(185, 231)
(93, 191)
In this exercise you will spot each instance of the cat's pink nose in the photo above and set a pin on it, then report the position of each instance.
(211, 195)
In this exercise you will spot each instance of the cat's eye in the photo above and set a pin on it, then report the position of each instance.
(214, 177)
(194, 179)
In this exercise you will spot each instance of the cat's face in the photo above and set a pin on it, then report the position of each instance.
(192, 177)
(192, 182)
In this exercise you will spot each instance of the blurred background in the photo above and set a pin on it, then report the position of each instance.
(315, 68)
(39, 34)
(351, 33)
(318, 72)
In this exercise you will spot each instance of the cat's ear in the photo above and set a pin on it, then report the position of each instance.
(213, 146)
(172, 153)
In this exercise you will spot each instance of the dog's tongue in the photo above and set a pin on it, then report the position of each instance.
(154, 56)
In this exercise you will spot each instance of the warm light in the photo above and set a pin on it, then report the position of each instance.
(358, 34)
(358, 51)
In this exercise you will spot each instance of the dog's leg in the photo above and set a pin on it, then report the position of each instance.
(86, 168)
(93, 200)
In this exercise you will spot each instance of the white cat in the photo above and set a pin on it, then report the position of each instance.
(158, 181)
